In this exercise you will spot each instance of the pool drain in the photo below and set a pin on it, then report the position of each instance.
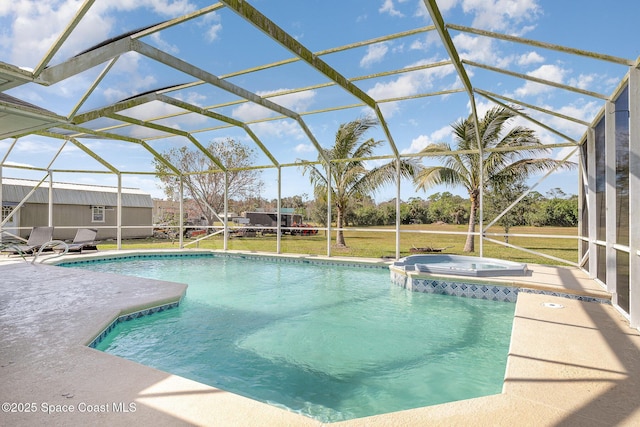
(552, 305)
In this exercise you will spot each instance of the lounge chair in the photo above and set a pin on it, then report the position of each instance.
(38, 237)
(83, 240)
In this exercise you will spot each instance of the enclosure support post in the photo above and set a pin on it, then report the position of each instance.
(582, 205)
(119, 213)
(225, 222)
(50, 207)
(398, 217)
(610, 193)
(181, 219)
(634, 196)
(328, 209)
(1, 205)
(279, 207)
(591, 201)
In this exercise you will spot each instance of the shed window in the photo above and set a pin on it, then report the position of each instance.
(97, 213)
(6, 211)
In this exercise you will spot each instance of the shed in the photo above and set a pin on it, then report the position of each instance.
(74, 206)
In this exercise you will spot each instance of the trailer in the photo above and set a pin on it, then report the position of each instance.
(270, 219)
(267, 223)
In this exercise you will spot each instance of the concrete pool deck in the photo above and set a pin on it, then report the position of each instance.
(577, 365)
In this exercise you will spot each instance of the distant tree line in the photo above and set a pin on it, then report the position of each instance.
(554, 209)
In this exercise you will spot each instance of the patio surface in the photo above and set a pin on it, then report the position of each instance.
(577, 365)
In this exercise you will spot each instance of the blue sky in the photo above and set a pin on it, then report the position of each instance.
(221, 43)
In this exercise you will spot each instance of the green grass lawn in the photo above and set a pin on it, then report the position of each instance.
(381, 243)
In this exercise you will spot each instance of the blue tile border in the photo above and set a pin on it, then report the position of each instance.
(132, 257)
(585, 298)
(282, 259)
(488, 291)
(468, 290)
(302, 260)
(130, 316)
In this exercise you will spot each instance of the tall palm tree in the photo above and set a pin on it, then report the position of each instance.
(499, 167)
(350, 178)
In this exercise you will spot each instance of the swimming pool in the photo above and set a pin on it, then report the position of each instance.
(331, 342)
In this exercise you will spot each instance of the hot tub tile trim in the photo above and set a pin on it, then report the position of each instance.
(488, 291)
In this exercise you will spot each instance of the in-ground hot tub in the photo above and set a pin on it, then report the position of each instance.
(459, 265)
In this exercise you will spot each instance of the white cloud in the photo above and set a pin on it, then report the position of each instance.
(18, 164)
(375, 53)
(418, 143)
(194, 98)
(136, 81)
(164, 45)
(584, 111)
(249, 111)
(408, 84)
(280, 129)
(530, 58)
(155, 109)
(549, 72)
(149, 185)
(571, 152)
(213, 31)
(305, 148)
(389, 7)
(36, 25)
(584, 81)
(37, 145)
(479, 49)
(212, 23)
(298, 101)
(482, 108)
(161, 7)
(445, 5)
(501, 15)
(419, 44)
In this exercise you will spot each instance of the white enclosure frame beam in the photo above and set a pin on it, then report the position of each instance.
(119, 213)
(591, 202)
(450, 47)
(279, 216)
(610, 193)
(634, 197)
(329, 167)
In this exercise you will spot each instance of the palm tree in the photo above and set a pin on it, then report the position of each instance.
(499, 167)
(350, 179)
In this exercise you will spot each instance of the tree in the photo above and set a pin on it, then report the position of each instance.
(350, 179)
(561, 210)
(500, 166)
(204, 182)
(446, 207)
(416, 211)
(500, 197)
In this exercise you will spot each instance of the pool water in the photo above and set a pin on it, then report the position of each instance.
(332, 343)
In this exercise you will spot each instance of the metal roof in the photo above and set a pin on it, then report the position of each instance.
(15, 190)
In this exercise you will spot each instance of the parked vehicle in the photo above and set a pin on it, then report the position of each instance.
(267, 223)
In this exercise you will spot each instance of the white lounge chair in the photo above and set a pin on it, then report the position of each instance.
(38, 237)
(83, 240)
